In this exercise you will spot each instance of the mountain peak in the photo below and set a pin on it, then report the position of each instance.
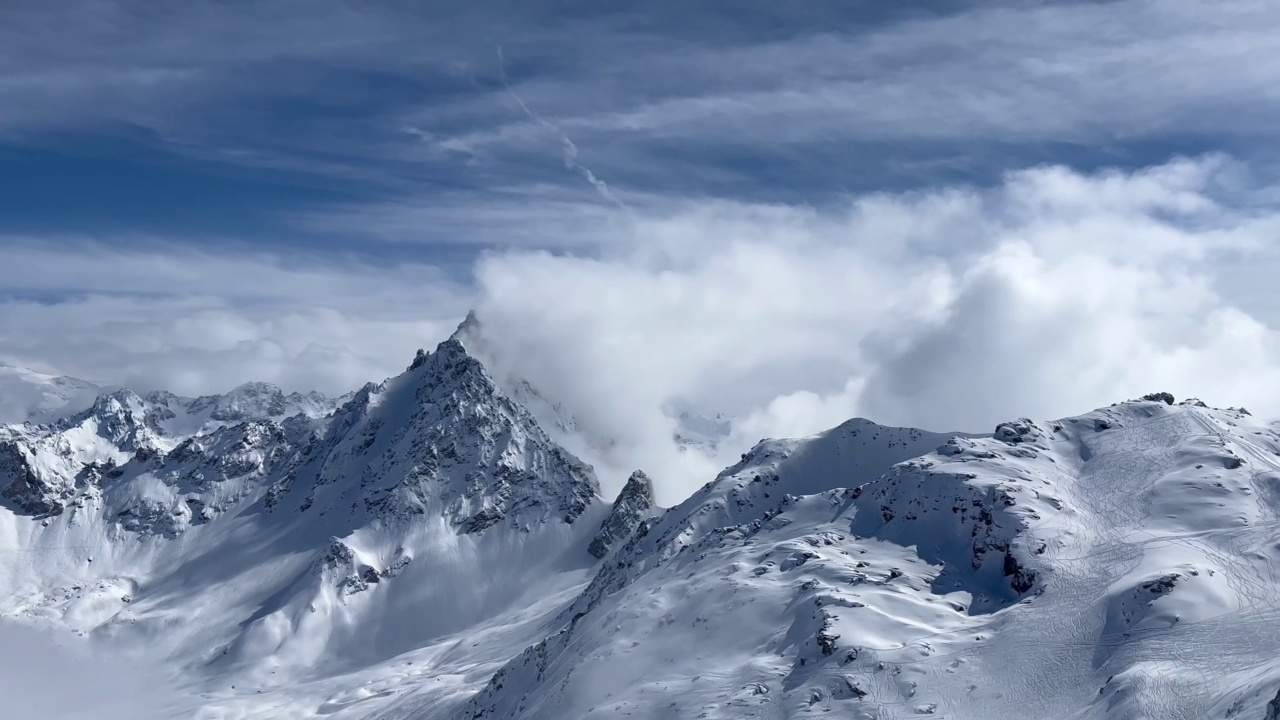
(450, 367)
(444, 438)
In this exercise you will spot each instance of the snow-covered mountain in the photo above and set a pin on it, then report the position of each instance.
(63, 461)
(428, 550)
(1118, 564)
(182, 416)
(695, 431)
(275, 552)
(41, 399)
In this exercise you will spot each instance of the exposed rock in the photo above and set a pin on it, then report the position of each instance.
(26, 488)
(632, 506)
(1273, 708)
(1020, 578)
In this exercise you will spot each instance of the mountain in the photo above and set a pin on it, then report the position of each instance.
(183, 416)
(29, 396)
(1118, 564)
(552, 415)
(273, 553)
(699, 432)
(63, 461)
(428, 550)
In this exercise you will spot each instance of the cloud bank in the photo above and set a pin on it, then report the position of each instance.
(1049, 294)
(43, 675)
(163, 316)
(956, 307)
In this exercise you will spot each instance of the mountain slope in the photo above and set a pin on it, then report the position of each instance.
(1113, 565)
(286, 555)
(427, 550)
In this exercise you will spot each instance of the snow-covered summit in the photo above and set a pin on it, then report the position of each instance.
(443, 436)
(301, 532)
(551, 414)
(182, 416)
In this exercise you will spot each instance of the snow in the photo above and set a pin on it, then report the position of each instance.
(1025, 574)
(182, 417)
(425, 548)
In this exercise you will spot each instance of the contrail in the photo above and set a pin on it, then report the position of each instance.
(570, 150)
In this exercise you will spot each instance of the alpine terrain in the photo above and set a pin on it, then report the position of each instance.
(426, 547)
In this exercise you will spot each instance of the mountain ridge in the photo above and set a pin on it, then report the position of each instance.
(427, 549)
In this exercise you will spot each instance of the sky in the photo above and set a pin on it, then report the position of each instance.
(944, 214)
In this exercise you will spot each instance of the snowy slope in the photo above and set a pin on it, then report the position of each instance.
(270, 555)
(182, 416)
(1115, 565)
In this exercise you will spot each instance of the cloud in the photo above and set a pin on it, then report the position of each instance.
(1106, 74)
(957, 308)
(533, 215)
(670, 100)
(63, 678)
(197, 322)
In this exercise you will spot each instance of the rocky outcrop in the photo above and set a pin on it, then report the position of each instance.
(1273, 708)
(633, 505)
(28, 490)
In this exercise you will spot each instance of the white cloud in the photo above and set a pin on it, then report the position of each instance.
(1102, 74)
(953, 308)
(1050, 294)
(44, 675)
(197, 322)
(640, 101)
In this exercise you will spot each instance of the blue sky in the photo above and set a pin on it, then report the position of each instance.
(784, 210)
(377, 128)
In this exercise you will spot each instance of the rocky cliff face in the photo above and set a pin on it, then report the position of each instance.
(441, 438)
(633, 505)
